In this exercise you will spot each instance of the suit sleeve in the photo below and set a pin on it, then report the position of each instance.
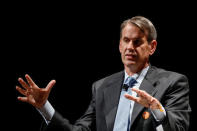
(85, 123)
(176, 104)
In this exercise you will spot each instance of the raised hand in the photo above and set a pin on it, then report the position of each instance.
(145, 99)
(32, 93)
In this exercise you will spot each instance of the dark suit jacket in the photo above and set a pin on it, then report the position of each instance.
(170, 88)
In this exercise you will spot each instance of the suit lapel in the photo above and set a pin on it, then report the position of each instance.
(111, 99)
(146, 85)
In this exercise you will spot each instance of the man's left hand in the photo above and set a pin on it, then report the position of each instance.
(145, 99)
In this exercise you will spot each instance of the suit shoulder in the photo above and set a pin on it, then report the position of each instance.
(168, 74)
(99, 82)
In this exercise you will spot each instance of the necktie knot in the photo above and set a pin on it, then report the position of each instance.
(130, 83)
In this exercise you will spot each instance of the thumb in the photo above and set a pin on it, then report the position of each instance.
(50, 85)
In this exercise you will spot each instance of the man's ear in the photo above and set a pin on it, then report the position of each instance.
(153, 46)
(120, 46)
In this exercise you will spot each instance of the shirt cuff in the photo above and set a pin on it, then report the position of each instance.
(47, 112)
(159, 114)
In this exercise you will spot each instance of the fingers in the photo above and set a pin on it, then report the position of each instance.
(21, 90)
(139, 92)
(23, 83)
(143, 94)
(32, 84)
(131, 97)
(30, 81)
(23, 99)
(50, 85)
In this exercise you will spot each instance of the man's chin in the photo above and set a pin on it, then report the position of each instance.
(130, 63)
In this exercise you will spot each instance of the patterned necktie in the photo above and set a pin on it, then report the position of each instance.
(122, 121)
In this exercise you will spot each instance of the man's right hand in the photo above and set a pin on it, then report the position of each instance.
(32, 93)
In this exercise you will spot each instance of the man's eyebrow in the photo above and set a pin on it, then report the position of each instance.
(137, 38)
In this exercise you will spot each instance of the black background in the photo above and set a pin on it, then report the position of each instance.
(77, 44)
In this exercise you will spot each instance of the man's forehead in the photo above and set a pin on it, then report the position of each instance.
(132, 31)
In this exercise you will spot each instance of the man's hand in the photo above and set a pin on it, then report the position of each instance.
(145, 99)
(33, 94)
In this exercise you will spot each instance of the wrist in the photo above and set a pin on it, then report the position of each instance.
(47, 111)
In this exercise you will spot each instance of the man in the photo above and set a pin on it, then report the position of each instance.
(140, 98)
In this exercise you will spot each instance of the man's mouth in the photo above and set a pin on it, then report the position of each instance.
(130, 56)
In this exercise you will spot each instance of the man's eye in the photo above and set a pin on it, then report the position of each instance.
(137, 42)
(126, 40)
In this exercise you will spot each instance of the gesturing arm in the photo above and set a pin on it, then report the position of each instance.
(175, 103)
(38, 98)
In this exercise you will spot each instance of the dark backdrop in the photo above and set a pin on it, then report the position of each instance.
(77, 44)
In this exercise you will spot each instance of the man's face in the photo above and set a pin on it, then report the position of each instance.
(134, 47)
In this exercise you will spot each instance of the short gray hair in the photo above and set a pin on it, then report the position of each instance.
(145, 25)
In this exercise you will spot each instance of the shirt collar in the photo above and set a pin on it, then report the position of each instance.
(138, 76)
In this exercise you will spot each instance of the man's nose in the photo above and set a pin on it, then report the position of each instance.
(130, 45)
